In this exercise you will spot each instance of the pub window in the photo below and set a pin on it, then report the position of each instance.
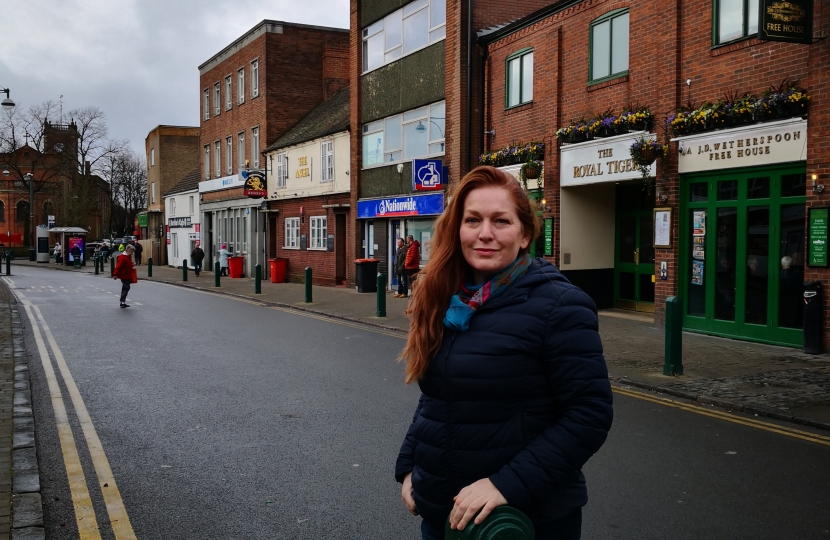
(519, 87)
(327, 161)
(282, 170)
(292, 232)
(609, 46)
(735, 19)
(318, 233)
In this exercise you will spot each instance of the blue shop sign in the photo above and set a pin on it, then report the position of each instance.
(427, 174)
(415, 205)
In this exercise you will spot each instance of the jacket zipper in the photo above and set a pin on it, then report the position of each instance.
(450, 424)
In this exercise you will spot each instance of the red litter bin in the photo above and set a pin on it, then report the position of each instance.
(277, 267)
(235, 266)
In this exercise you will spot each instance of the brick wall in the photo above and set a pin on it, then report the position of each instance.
(177, 153)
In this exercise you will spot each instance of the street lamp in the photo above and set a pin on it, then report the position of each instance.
(7, 103)
(32, 242)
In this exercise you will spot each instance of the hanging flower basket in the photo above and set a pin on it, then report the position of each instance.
(532, 170)
(644, 152)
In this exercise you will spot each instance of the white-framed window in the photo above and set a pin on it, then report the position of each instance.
(229, 155)
(318, 232)
(228, 92)
(217, 99)
(282, 170)
(240, 150)
(152, 156)
(207, 163)
(172, 207)
(255, 78)
(206, 104)
(255, 147)
(292, 232)
(217, 158)
(175, 242)
(418, 133)
(411, 28)
(153, 192)
(240, 85)
(191, 205)
(327, 161)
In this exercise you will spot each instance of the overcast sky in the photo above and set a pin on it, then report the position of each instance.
(135, 59)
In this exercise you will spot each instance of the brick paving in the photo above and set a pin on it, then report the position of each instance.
(6, 410)
(779, 382)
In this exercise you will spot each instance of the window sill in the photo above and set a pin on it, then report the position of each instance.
(317, 249)
(605, 83)
(402, 161)
(734, 45)
(294, 248)
(518, 108)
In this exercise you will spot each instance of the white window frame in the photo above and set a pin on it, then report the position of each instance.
(282, 170)
(217, 158)
(318, 226)
(192, 205)
(172, 207)
(152, 157)
(240, 150)
(436, 31)
(153, 192)
(206, 104)
(292, 233)
(207, 164)
(327, 161)
(240, 85)
(228, 92)
(255, 147)
(175, 242)
(423, 115)
(229, 155)
(255, 78)
(217, 99)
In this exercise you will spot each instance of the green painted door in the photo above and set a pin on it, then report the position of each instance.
(634, 250)
(742, 241)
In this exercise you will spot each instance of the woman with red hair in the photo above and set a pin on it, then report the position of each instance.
(515, 396)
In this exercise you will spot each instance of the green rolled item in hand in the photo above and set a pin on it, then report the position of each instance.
(503, 523)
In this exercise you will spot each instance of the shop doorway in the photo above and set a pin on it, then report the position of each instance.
(742, 253)
(634, 248)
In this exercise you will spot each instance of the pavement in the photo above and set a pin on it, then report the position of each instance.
(775, 382)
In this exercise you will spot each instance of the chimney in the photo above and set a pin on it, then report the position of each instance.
(87, 168)
(335, 69)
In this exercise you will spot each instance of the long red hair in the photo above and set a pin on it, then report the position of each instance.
(447, 267)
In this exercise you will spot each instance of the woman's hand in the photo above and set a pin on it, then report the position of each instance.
(481, 495)
(406, 495)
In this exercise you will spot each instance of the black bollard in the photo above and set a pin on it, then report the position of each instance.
(216, 274)
(149, 267)
(381, 298)
(258, 279)
(184, 270)
(308, 285)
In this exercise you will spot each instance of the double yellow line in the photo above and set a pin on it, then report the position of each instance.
(81, 500)
(734, 418)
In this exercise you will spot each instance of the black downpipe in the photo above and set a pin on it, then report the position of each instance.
(482, 125)
(469, 82)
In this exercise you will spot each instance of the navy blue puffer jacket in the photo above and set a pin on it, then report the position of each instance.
(522, 398)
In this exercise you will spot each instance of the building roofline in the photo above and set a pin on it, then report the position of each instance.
(273, 24)
(488, 38)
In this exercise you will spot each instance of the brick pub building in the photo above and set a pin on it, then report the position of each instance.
(252, 92)
(722, 221)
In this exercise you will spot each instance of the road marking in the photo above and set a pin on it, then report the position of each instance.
(775, 428)
(112, 497)
(81, 501)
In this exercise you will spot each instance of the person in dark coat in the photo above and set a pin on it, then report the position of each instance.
(139, 249)
(515, 396)
(196, 257)
(400, 270)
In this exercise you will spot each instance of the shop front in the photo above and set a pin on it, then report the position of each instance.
(742, 231)
(606, 223)
(387, 219)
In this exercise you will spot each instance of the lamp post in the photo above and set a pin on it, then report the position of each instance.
(32, 242)
(7, 103)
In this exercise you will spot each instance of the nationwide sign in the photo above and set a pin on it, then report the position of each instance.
(790, 20)
(427, 174)
(255, 186)
(178, 222)
(416, 205)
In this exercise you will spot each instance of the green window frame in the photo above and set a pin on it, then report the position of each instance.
(518, 78)
(605, 60)
(724, 14)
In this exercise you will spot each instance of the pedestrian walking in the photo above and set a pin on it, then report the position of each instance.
(413, 259)
(124, 270)
(515, 396)
(57, 252)
(223, 260)
(139, 249)
(196, 257)
(400, 270)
